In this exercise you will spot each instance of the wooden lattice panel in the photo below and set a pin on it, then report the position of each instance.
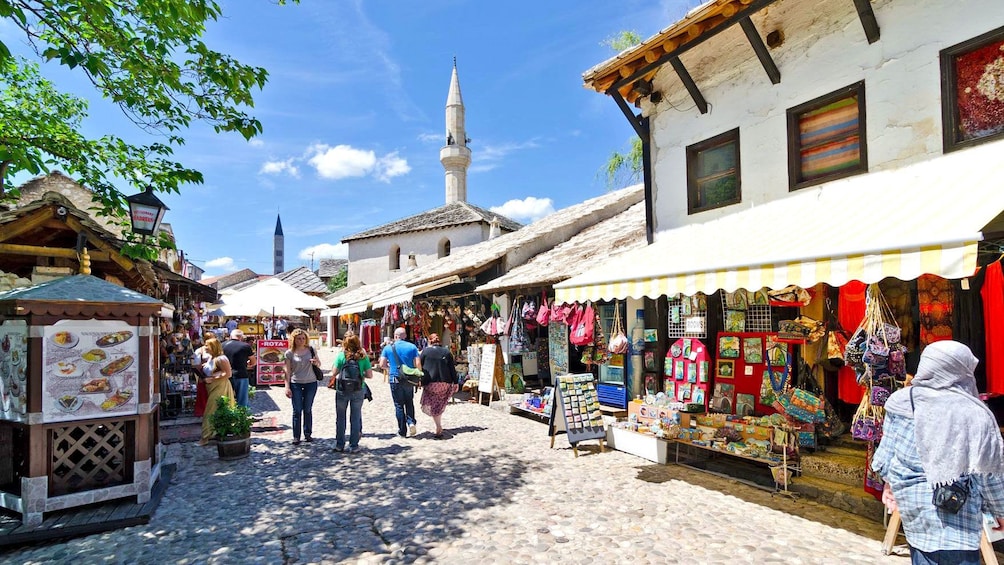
(88, 456)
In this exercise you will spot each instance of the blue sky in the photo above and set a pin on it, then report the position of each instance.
(353, 117)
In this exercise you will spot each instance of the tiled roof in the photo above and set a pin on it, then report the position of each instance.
(304, 280)
(452, 214)
(330, 267)
(229, 280)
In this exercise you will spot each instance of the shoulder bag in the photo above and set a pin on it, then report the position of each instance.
(318, 373)
(407, 374)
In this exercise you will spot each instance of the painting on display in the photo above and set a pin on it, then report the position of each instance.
(979, 90)
(557, 340)
(90, 369)
(14, 371)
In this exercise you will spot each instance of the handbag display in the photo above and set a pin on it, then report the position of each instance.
(618, 342)
(544, 312)
(867, 422)
(582, 330)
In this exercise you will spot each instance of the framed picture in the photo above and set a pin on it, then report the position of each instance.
(650, 361)
(697, 396)
(735, 320)
(724, 398)
(691, 372)
(777, 353)
(678, 370)
(651, 336)
(687, 344)
(667, 368)
(726, 368)
(753, 350)
(669, 387)
(728, 346)
(702, 372)
(683, 392)
(744, 404)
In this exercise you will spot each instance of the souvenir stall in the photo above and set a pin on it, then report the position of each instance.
(78, 359)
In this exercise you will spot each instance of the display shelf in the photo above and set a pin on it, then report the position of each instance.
(795, 468)
(646, 446)
(517, 409)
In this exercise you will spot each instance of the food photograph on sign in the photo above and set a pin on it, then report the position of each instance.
(90, 369)
(271, 360)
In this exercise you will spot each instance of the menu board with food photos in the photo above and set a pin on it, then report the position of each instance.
(688, 371)
(271, 361)
(90, 369)
(14, 371)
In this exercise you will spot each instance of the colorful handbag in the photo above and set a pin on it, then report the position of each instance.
(803, 406)
(867, 422)
(879, 395)
(543, 313)
(897, 361)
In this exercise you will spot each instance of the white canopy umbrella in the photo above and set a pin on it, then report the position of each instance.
(277, 294)
(243, 309)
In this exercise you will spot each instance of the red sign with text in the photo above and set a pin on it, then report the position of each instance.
(272, 361)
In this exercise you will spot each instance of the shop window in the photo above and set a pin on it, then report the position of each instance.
(972, 91)
(826, 138)
(713, 173)
(395, 258)
(444, 248)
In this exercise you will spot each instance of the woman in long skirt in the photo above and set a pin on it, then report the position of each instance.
(440, 381)
(217, 385)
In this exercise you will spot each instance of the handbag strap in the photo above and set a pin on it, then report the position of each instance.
(312, 352)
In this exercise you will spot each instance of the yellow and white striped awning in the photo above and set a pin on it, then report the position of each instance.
(924, 218)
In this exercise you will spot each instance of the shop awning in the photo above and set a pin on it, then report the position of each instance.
(393, 295)
(918, 219)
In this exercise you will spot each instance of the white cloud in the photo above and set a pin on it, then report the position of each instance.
(225, 264)
(490, 156)
(341, 161)
(390, 166)
(277, 167)
(325, 251)
(255, 142)
(431, 137)
(528, 210)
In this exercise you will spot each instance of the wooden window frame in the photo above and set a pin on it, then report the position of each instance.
(795, 147)
(949, 103)
(692, 152)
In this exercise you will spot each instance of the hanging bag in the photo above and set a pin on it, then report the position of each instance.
(867, 422)
(543, 313)
(619, 342)
(582, 332)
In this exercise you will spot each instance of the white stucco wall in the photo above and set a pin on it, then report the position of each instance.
(824, 50)
(369, 258)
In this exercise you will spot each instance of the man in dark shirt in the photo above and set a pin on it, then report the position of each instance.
(239, 353)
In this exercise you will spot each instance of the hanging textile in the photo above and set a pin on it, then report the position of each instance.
(993, 314)
(850, 312)
(934, 295)
(967, 320)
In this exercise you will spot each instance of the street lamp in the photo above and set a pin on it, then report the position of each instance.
(145, 211)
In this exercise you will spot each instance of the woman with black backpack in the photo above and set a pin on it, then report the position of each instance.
(440, 381)
(352, 367)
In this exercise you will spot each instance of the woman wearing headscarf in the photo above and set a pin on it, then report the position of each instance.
(440, 381)
(937, 432)
(217, 380)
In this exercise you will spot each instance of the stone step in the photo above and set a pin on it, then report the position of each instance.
(846, 441)
(843, 450)
(845, 469)
(837, 495)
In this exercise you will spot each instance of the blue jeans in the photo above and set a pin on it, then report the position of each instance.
(404, 406)
(303, 402)
(353, 401)
(241, 392)
(946, 557)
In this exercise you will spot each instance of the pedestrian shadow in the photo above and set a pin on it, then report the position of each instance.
(262, 403)
(383, 435)
(462, 430)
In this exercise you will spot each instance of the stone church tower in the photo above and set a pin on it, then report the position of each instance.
(278, 247)
(455, 155)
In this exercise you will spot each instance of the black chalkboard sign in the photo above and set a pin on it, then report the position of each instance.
(576, 411)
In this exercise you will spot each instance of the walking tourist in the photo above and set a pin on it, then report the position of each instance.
(942, 458)
(200, 356)
(301, 384)
(401, 352)
(217, 380)
(239, 353)
(352, 367)
(280, 328)
(440, 382)
(231, 325)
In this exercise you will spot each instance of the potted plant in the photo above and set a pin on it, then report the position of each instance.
(232, 425)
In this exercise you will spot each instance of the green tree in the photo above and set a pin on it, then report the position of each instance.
(624, 168)
(147, 57)
(339, 281)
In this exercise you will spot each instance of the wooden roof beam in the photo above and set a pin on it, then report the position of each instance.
(113, 254)
(691, 86)
(868, 21)
(29, 222)
(760, 49)
(40, 251)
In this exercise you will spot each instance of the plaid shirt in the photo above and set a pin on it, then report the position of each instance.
(926, 527)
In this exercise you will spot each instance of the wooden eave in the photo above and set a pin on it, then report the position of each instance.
(618, 76)
(73, 308)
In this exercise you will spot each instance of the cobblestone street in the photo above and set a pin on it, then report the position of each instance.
(492, 492)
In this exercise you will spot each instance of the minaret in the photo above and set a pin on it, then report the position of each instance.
(277, 247)
(455, 155)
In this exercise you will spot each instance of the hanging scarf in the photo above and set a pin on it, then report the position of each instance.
(956, 433)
